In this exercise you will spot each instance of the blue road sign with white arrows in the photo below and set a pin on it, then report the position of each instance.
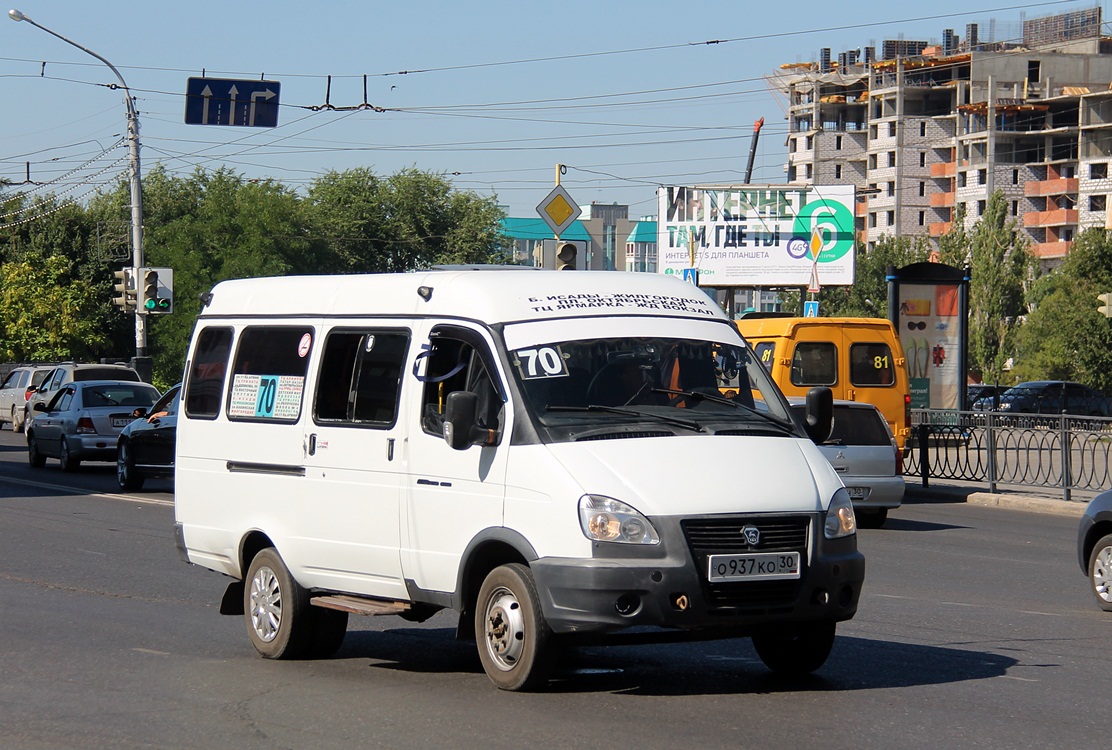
(222, 101)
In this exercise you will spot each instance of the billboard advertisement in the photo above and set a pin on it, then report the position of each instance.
(758, 235)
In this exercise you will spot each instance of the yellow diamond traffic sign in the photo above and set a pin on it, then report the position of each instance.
(558, 210)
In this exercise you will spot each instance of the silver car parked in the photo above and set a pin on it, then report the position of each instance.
(865, 455)
(84, 420)
(16, 389)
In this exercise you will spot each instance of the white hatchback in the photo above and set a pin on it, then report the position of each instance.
(864, 453)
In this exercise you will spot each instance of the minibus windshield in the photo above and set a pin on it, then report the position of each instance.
(643, 376)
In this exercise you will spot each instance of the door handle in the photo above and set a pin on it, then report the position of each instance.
(313, 444)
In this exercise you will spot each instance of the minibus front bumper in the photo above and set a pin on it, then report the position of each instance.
(667, 585)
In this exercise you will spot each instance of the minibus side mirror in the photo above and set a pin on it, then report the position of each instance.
(460, 413)
(820, 414)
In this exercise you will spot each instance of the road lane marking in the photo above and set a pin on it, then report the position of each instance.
(79, 490)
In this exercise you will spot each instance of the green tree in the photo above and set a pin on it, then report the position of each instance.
(868, 296)
(1064, 336)
(46, 313)
(1000, 266)
(412, 219)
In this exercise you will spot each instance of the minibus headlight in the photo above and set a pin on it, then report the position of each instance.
(604, 519)
(840, 520)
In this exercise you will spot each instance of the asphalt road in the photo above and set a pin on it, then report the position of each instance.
(976, 629)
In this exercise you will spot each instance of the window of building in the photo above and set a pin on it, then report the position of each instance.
(810, 143)
(791, 173)
(891, 188)
(872, 220)
(891, 218)
(360, 377)
(1098, 171)
(922, 218)
(872, 132)
(268, 374)
(872, 161)
(837, 171)
(922, 158)
(1015, 176)
(838, 143)
(922, 128)
(980, 208)
(891, 158)
(792, 145)
(205, 385)
(922, 189)
(892, 130)
(982, 176)
(1098, 202)
(808, 169)
(963, 178)
(1015, 208)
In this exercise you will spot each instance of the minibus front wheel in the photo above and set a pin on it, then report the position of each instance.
(514, 640)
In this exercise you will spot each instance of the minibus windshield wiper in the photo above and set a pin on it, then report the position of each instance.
(700, 396)
(685, 423)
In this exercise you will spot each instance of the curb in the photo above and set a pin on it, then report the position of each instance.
(1014, 501)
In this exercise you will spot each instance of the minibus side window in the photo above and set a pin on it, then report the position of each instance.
(871, 364)
(455, 365)
(815, 363)
(206, 373)
(360, 376)
(765, 351)
(268, 374)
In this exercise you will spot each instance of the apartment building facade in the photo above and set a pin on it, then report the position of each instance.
(923, 135)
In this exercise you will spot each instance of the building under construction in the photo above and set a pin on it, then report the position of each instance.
(925, 130)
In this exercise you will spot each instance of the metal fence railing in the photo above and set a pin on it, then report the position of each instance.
(1066, 452)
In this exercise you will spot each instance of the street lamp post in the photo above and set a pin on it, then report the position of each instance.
(136, 180)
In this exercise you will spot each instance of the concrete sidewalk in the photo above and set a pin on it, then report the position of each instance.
(1035, 499)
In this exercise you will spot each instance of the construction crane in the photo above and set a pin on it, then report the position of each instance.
(753, 149)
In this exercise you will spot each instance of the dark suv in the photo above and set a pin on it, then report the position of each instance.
(68, 372)
(1049, 397)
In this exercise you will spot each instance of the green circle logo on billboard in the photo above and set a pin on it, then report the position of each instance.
(826, 229)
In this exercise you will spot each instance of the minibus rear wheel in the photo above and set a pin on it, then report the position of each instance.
(514, 640)
(276, 609)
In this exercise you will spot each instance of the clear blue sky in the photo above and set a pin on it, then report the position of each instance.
(627, 95)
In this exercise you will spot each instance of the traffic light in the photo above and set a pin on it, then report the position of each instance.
(150, 289)
(1106, 304)
(158, 290)
(566, 255)
(125, 290)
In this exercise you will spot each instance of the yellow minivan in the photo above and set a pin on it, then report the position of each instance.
(860, 359)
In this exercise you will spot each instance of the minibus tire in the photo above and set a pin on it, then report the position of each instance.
(329, 631)
(514, 641)
(276, 609)
(796, 651)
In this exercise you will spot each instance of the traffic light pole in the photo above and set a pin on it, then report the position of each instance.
(135, 181)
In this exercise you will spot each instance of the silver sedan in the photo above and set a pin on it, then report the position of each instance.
(83, 421)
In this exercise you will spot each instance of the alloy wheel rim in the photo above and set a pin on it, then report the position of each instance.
(266, 604)
(1102, 574)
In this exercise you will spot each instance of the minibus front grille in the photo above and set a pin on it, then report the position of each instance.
(625, 435)
(723, 536)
